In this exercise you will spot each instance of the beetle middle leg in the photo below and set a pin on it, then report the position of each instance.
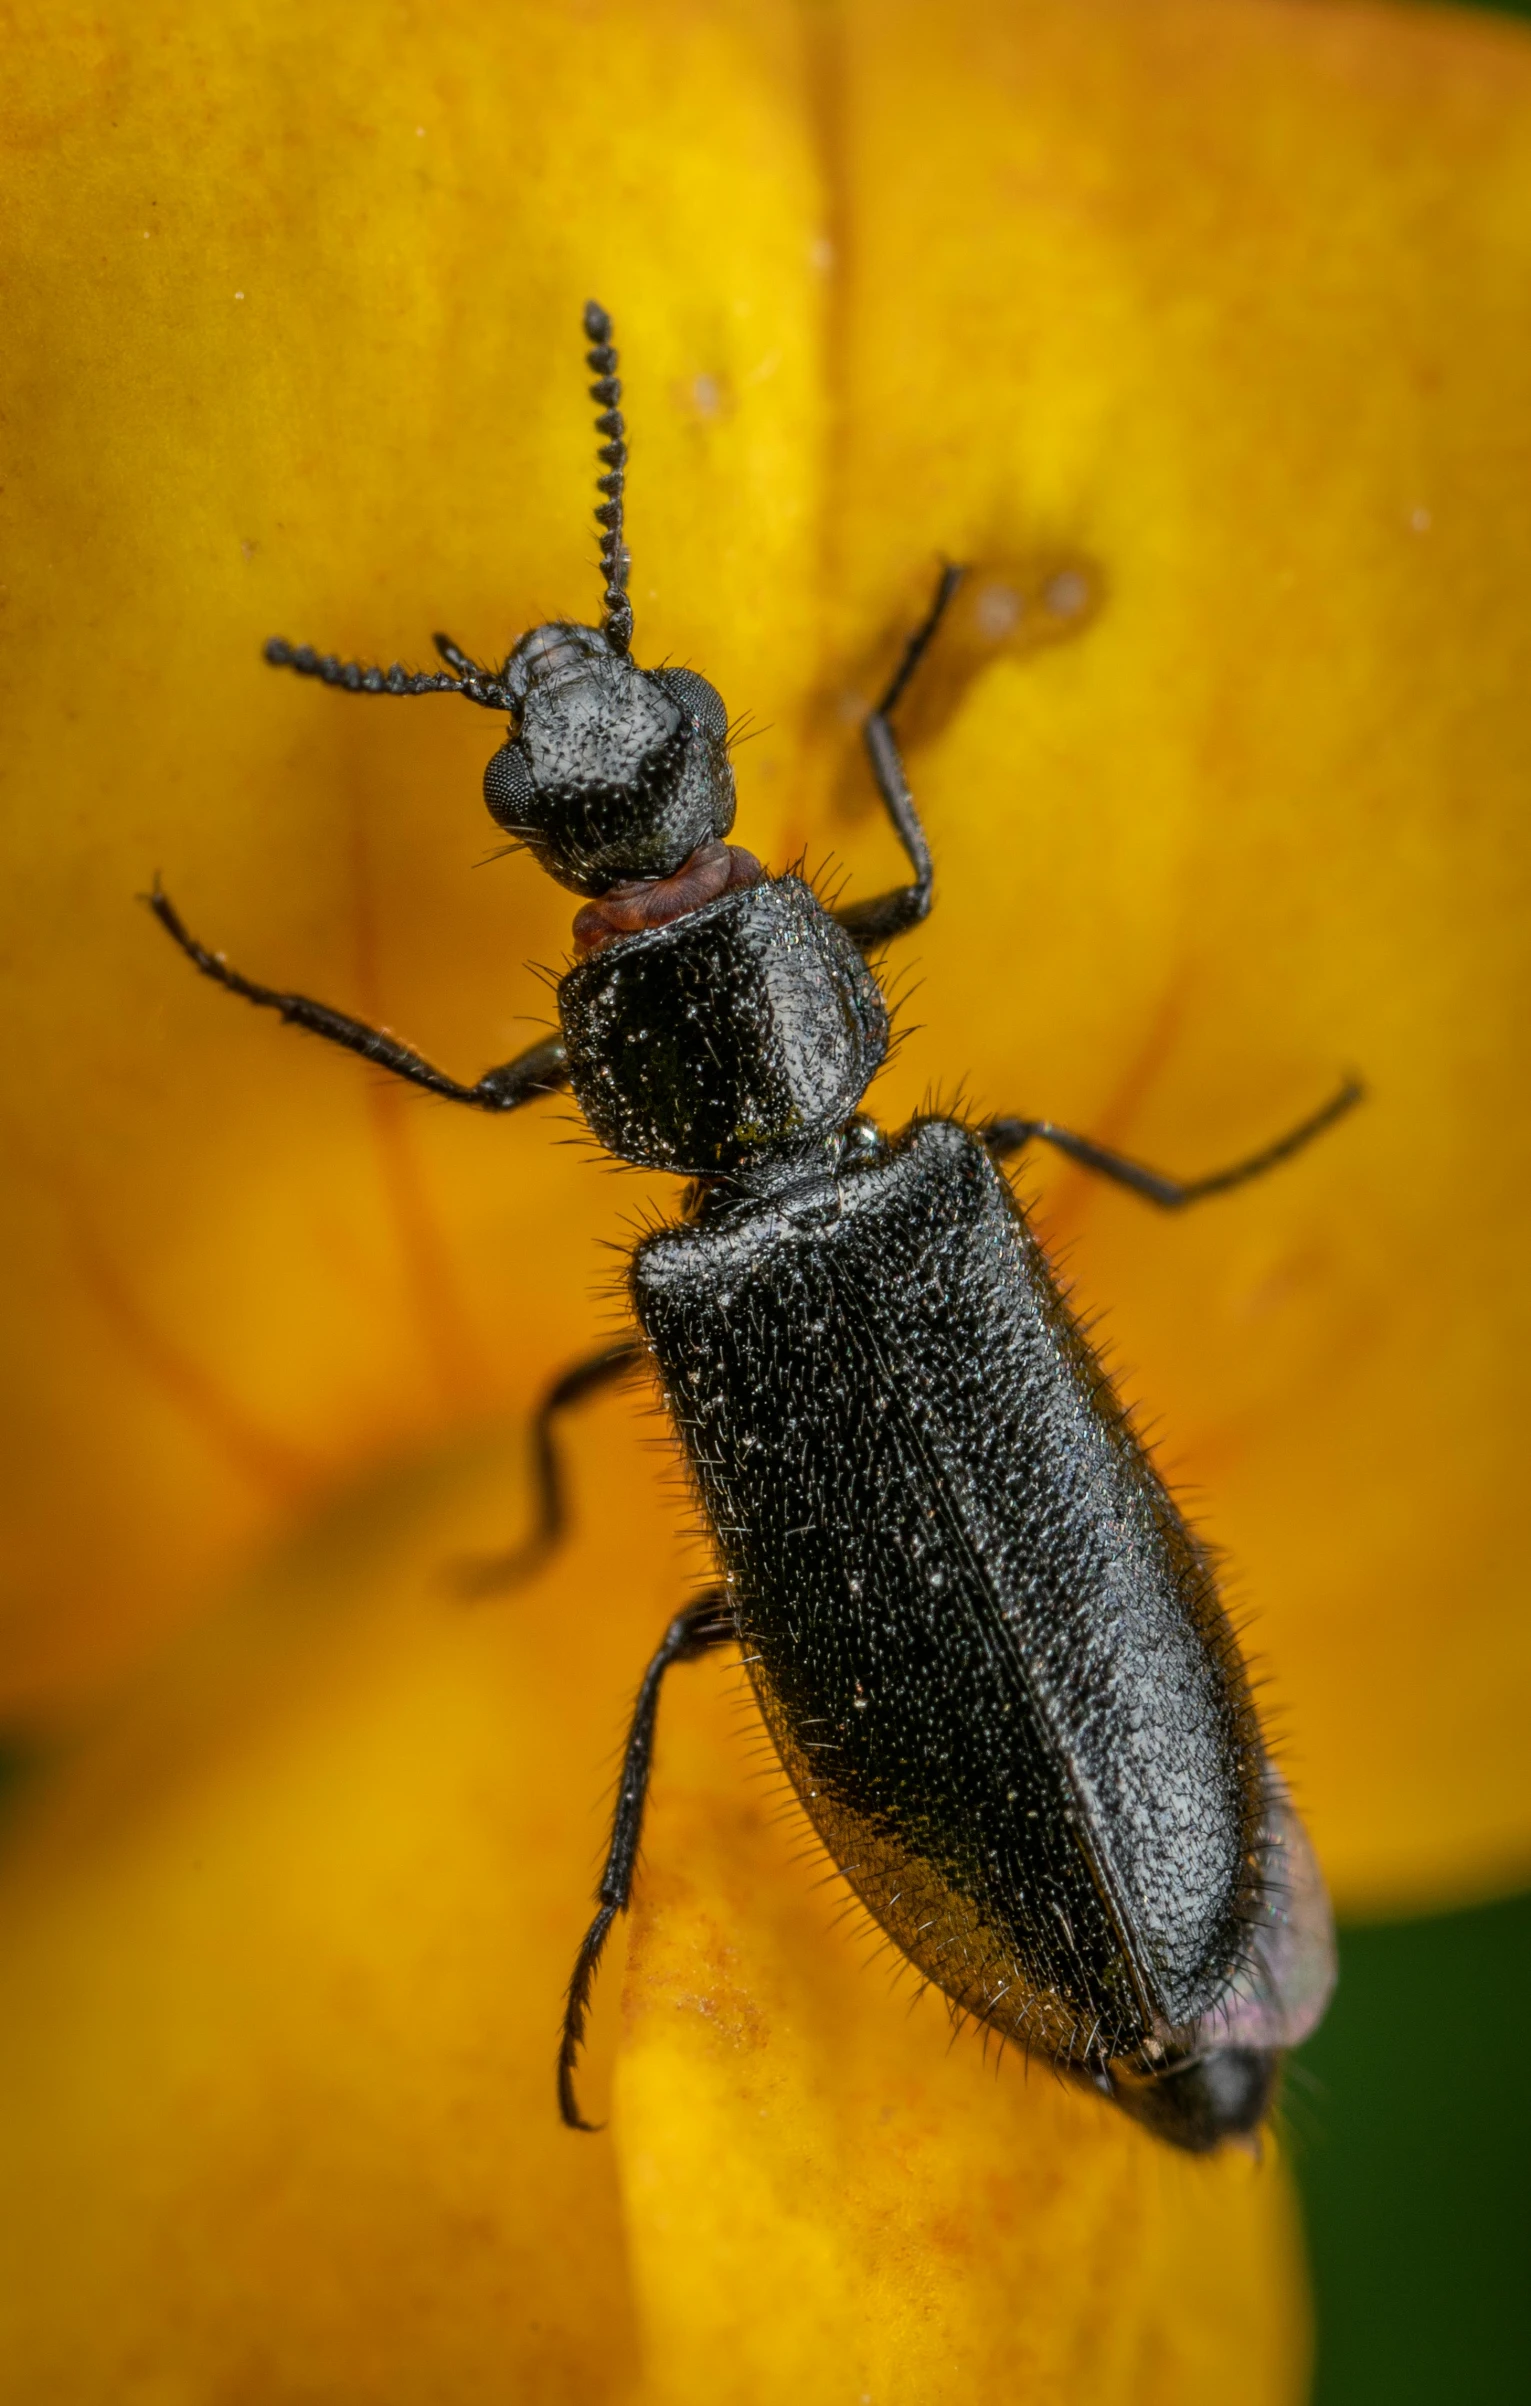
(482, 1576)
(874, 921)
(705, 1622)
(1006, 1136)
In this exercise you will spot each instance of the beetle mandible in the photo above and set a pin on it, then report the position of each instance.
(986, 1644)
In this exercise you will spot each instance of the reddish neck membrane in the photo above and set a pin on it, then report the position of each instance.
(713, 869)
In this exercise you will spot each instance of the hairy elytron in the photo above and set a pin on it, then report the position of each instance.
(988, 1648)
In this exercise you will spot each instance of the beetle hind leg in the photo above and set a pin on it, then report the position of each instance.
(705, 1622)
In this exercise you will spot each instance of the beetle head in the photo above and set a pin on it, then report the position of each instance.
(611, 772)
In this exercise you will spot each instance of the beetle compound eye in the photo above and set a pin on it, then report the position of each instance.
(509, 787)
(699, 700)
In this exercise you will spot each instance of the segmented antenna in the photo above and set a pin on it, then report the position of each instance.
(601, 359)
(475, 684)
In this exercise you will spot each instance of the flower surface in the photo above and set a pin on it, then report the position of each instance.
(1197, 328)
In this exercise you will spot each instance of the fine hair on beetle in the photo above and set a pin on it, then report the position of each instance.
(982, 1640)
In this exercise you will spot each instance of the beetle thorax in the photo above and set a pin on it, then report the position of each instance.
(745, 1029)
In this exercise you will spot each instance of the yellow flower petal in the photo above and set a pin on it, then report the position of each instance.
(1199, 329)
(829, 2198)
(283, 1947)
(1221, 308)
(299, 320)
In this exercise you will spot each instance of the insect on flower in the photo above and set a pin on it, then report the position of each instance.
(988, 1648)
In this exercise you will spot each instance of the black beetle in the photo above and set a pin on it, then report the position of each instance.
(988, 1647)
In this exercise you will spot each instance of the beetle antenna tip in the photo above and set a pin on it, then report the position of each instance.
(601, 359)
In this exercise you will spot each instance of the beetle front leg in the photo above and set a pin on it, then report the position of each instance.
(885, 915)
(705, 1623)
(541, 1069)
(1006, 1136)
